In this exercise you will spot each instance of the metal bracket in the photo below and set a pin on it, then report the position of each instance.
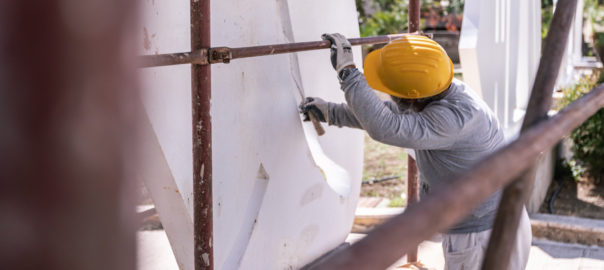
(219, 55)
(200, 57)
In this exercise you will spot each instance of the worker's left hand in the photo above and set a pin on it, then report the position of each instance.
(341, 51)
(318, 107)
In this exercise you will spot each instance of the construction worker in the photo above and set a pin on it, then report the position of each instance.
(441, 118)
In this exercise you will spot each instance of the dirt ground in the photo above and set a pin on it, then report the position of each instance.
(381, 161)
(580, 199)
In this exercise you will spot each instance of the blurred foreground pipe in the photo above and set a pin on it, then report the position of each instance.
(69, 112)
(503, 237)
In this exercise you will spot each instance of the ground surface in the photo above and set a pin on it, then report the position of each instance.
(381, 161)
(581, 199)
(154, 253)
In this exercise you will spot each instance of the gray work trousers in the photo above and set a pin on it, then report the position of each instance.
(465, 251)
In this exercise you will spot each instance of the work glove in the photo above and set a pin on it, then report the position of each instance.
(341, 51)
(318, 107)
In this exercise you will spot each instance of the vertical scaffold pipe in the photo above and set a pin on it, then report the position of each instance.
(412, 181)
(202, 139)
(414, 15)
(413, 197)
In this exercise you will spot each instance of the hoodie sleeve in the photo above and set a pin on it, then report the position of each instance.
(340, 115)
(435, 127)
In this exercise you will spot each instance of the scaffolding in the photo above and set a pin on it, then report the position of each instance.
(510, 167)
(507, 168)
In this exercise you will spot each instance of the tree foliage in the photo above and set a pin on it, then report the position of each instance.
(588, 139)
(391, 16)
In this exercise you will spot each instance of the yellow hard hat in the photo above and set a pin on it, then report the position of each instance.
(410, 67)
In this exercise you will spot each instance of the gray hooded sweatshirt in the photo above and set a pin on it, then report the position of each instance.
(449, 135)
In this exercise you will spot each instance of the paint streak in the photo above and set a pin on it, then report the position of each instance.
(146, 40)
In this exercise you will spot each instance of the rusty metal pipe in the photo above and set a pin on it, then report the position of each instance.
(515, 195)
(412, 196)
(201, 90)
(305, 46)
(68, 134)
(414, 15)
(412, 179)
(225, 54)
(194, 57)
(449, 204)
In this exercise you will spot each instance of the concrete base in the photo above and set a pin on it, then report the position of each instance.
(154, 253)
(544, 254)
(543, 179)
(553, 227)
(568, 229)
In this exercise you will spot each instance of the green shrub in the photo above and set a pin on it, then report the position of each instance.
(588, 139)
(391, 16)
(384, 23)
(546, 19)
(599, 38)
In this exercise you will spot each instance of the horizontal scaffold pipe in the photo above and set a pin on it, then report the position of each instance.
(226, 54)
(449, 204)
(195, 57)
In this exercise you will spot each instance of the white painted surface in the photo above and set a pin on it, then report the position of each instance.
(153, 251)
(573, 53)
(167, 90)
(500, 49)
(167, 99)
(167, 197)
(272, 207)
(499, 52)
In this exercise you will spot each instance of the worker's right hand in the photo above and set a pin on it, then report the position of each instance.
(318, 107)
(341, 51)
